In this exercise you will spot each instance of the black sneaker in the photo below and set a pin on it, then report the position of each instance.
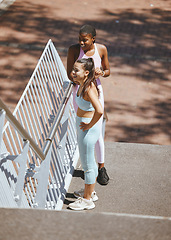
(102, 178)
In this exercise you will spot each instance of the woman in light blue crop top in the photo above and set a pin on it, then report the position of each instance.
(89, 112)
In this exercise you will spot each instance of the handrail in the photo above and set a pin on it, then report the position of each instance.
(57, 120)
(22, 131)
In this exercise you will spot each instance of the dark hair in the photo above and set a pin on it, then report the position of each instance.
(88, 64)
(88, 29)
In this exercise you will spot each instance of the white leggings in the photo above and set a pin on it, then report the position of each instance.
(99, 146)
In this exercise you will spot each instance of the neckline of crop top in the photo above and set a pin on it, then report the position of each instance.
(83, 104)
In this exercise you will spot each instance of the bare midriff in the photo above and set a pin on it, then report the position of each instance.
(86, 114)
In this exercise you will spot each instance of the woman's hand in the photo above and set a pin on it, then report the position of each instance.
(98, 73)
(84, 126)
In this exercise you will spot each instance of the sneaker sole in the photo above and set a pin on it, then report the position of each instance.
(102, 183)
(80, 209)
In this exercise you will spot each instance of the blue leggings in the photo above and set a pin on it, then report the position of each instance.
(86, 144)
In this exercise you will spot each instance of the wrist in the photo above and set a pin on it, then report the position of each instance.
(103, 73)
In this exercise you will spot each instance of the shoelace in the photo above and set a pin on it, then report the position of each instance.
(79, 200)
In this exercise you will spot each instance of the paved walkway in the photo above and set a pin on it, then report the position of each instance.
(137, 94)
(139, 180)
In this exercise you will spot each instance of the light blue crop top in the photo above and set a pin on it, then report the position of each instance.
(83, 104)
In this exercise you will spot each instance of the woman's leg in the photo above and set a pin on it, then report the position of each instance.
(86, 143)
(99, 147)
(89, 188)
(103, 177)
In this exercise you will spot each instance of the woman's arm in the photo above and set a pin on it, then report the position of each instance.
(105, 72)
(73, 53)
(105, 62)
(93, 98)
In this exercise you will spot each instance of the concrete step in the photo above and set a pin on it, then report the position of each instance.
(34, 224)
(140, 180)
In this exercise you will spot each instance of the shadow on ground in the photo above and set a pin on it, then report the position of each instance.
(137, 40)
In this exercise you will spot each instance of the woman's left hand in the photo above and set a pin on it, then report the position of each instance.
(84, 126)
(98, 73)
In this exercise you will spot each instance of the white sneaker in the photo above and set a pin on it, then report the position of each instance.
(80, 193)
(81, 204)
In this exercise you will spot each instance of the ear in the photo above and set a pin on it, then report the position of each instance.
(94, 38)
(87, 73)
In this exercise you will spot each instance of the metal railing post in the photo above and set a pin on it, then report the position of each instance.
(42, 176)
(22, 160)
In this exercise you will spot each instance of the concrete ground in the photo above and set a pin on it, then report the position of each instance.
(140, 181)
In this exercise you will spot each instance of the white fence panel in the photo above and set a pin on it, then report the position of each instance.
(46, 112)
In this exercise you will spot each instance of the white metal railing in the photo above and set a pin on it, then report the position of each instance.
(45, 119)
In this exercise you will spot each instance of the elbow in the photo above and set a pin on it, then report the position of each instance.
(100, 112)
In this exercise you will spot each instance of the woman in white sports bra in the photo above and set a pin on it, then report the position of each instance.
(87, 48)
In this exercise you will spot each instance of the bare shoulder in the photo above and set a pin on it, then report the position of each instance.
(92, 90)
(74, 47)
(101, 49)
(74, 51)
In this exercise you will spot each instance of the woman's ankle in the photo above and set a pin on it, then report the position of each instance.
(87, 197)
(101, 165)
